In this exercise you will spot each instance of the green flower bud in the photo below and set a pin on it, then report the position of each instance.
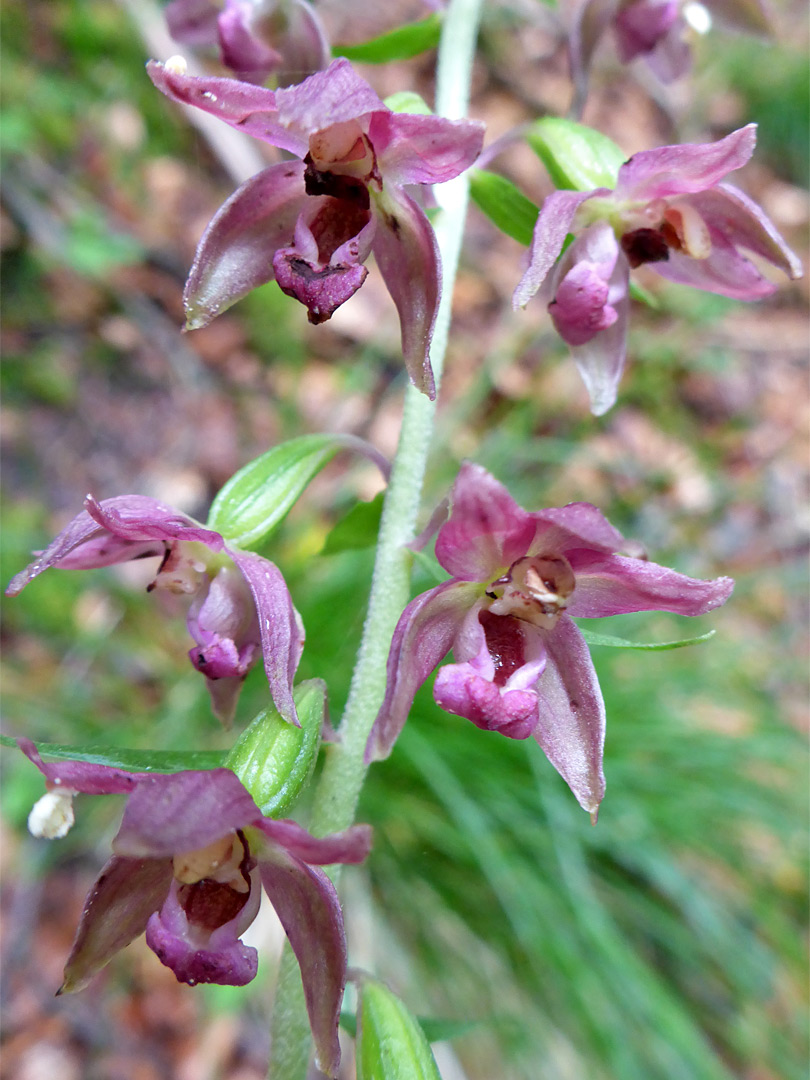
(390, 1043)
(274, 759)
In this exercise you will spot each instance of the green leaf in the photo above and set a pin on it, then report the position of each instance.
(400, 44)
(592, 638)
(357, 529)
(435, 1028)
(408, 101)
(274, 759)
(161, 761)
(390, 1043)
(260, 495)
(576, 157)
(504, 204)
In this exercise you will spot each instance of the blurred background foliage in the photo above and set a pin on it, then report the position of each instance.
(668, 943)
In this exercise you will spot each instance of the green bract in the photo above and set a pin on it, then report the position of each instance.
(390, 1043)
(159, 761)
(274, 759)
(261, 494)
(576, 156)
(592, 638)
(400, 44)
(357, 529)
(408, 101)
(504, 204)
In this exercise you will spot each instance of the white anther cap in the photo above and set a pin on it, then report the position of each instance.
(52, 816)
(176, 65)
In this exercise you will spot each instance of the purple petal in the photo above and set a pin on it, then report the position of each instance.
(589, 310)
(580, 307)
(571, 728)
(83, 776)
(301, 42)
(222, 620)
(725, 271)
(350, 846)
(422, 638)
(684, 168)
(460, 690)
(224, 665)
(615, 584)
(236, 251)
(408, 257)
(601, 363)
(116, 911)
(487, 530)
(598, 350)
(308, 907)
(192, 22)
(136, 517)
(248, 108)
(115, 530)
(730, 212)
(332, 236)
(589, 20)
(224, 694)
(282, 635)
(232, 965)
(167, 814)
(553, 225)
(222, 660)
(321, 290)
(671, 59)
(564, 530)
(243, 50)
(196, 952)
(493, 685)
(640, 25)
(415, 149)
(326, 98)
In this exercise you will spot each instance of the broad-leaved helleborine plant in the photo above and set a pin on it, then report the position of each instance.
(188, 866)
(256, 38)
(311, 224)
(521, 666)
(670, 210)
(240, 605)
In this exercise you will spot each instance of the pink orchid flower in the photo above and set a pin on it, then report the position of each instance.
(660, 32)
(188, 866)
(311, 224)
(256, 38)
(521, 667)
(669, 209)
(240, 605)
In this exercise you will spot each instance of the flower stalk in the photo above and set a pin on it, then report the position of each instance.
(344, 770)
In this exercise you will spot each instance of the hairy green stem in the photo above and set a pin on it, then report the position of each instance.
(290, 1039)
(344, 770)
